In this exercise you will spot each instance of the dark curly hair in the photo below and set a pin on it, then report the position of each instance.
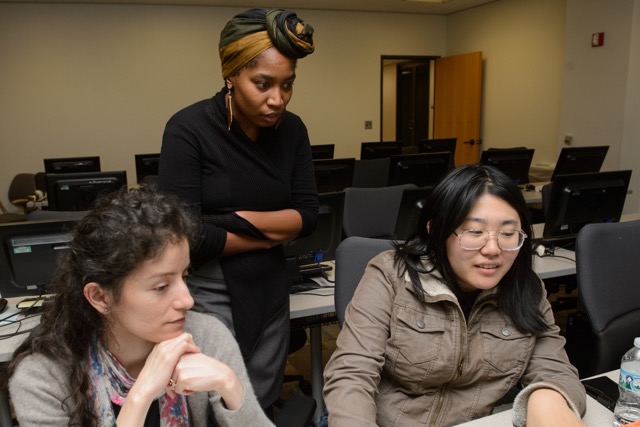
(520, 290)
(123, 230)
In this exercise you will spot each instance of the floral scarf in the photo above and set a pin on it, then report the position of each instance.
(110, 383)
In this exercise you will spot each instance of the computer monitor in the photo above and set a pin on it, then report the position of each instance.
(411, 205)
(579, 199)
(29, 255)
(322, 151)
(513, 162)
(422, 169)
(78, 191)
(437, 145)
(72, 164)
(146, 165)
(377, 150)
(333, 174)
(321, 244)
(580, 160)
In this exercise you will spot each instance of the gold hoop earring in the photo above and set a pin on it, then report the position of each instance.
(229, 108)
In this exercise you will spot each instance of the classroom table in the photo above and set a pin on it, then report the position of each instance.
(597, 415)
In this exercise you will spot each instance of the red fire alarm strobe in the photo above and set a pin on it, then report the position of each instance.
(597, 39)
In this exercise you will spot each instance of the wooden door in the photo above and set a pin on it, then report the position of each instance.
(457, 103)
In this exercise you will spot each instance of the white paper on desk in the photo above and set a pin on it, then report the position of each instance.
(322, 281)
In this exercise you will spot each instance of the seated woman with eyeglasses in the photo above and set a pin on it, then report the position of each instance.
(444, 326)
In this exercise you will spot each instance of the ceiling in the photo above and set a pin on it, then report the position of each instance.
(433, 7)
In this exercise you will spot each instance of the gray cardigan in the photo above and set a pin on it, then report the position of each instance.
(38, 386)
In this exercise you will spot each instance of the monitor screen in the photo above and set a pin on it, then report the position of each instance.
(72, 164)
(423, 169)
(29, 255)
(78, 191)
(579, 199)
(146, 165)
(322, 151)
(513, 162)
(580, 160)
(333, 174)
(411, 205)
(322, 243)
(377, 150)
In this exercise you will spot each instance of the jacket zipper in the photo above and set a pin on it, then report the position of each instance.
(458, 371)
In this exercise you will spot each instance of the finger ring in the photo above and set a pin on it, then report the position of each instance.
(172, 383)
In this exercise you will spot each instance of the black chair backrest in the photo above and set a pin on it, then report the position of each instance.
(607, 256)
(352, 256)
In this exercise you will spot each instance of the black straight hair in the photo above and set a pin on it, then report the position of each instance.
(520, 290)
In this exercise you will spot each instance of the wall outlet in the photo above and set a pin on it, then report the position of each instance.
(368, 124)
(568, 139)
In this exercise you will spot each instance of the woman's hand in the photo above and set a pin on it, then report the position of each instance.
(198, 372)
(547, 407)
(153, 379)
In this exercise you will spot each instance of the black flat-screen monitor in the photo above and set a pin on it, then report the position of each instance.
(78, 191)
(513, 162)
(333, 174)
(72, 164)
(146, 166)
(422, 169)
(437, 145)
(411, 205)
(29, 255)
(579, 199)
(321, 244)
(322, 151)
(580, 160)
(377, 150)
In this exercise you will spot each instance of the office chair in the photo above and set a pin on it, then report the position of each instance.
(352, 256)
(608, 317)
(6, 216)
(22, 191)
(372, 212)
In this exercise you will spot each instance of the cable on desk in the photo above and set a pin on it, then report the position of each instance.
(18, 331)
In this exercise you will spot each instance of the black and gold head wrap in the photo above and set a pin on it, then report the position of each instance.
(250, 33)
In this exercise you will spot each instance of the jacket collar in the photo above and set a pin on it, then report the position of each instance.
(434, 286)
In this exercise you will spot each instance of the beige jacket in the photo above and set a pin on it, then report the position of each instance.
(401, 363)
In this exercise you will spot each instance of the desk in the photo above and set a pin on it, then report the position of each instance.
(597, 415)
(318, 302)
(532, 196)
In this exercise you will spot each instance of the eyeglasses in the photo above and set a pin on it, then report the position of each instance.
(508, 240)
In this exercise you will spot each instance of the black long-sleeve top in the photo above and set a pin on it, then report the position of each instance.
(218, 171)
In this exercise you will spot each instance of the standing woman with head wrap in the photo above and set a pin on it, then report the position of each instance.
(244, 164)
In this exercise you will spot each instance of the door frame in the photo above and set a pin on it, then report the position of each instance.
(386, 60)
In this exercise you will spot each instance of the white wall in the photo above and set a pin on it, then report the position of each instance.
(522, 48)
(81, 79)
(601, 90)
(630, 151)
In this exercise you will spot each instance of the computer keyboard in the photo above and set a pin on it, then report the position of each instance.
(315, 269)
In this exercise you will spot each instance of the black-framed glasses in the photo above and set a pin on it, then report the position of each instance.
(508, 240)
